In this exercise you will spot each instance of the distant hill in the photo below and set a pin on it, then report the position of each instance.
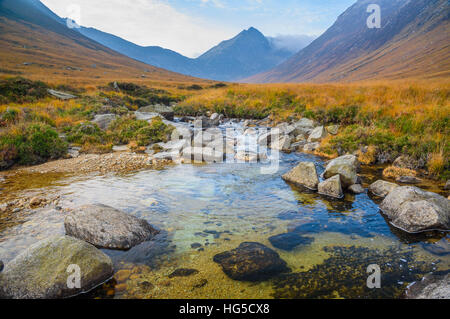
(413, 42)
(36, 43)
(249, 53)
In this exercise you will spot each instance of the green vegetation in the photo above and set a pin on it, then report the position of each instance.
(20, 90)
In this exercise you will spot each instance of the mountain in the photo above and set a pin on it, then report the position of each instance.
(37, 43)
(249, 53)
(413, 42)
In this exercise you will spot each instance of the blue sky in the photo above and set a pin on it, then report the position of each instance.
(191, 27)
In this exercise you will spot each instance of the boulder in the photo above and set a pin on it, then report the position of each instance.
(415, 210)
(311, 147)
(304, 126)
(107, 227)
(408, 180)
(382, 188)
(333, 129)
(356, 189)
(430, 287)
(304, 174)
(289, 241)
(202, 122)
(331, 187)
(246, 156)
(346, 166)
(265, 139)
(42, 271)
(103, 120)
(251, 262)
(297, 146)
(61, 95)
(166, 111)
(317, 134)
(285, 129)
(175, 146)
(283, 143)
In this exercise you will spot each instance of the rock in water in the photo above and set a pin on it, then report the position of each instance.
(331, 187)
(107, 227)
(289, 241)
(356, 189)
(414, 210)
(346, 166)
(251, 262)
(304, 174)
(430, 287)
(42, 271)
(382, 188)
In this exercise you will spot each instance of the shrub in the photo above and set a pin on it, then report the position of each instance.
(33, 143)
(20, 90)
(124, 130)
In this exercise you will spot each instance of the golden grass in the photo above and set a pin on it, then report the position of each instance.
(395, 172)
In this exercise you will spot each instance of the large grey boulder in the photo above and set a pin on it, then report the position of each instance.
(331, 187)
(382, 188)
(107, 227)
(61, 95)
(304, 174)
(356, 189)
(43, 270)
(317, 134)
(346, 166)
(311, 147)
(415, 210)
(430, 287)
(103, 120)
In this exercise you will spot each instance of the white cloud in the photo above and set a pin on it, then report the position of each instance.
(145, 22)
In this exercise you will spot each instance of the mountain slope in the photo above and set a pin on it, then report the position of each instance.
(412, 42)
(36, 43)
(249, 53)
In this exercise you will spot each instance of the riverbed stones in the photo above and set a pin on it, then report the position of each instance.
(332, 187)
(317, 134)
(289, 241)
(304, 174)
(430, 287)
(415, 210)
(356, 189)
(304, 126)
(251, 262)
(42, 271)
(382, 188)
(311, 147)
(107, 227)
(346, 167)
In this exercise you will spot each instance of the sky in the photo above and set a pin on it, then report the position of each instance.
(192, 27)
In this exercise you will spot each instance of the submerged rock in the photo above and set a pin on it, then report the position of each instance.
(346, 166)
(251, 262)
(289, 241)
(382, 188)
(107, 227)
(332, 187)
(430, 287)
(42, 271)
(440, 248)
(304, 174)
(183, 272)
(415, 210)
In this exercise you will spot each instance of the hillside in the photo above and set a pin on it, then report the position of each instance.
(36, 44)
(413, 42)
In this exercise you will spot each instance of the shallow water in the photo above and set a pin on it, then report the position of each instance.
(217, 207)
